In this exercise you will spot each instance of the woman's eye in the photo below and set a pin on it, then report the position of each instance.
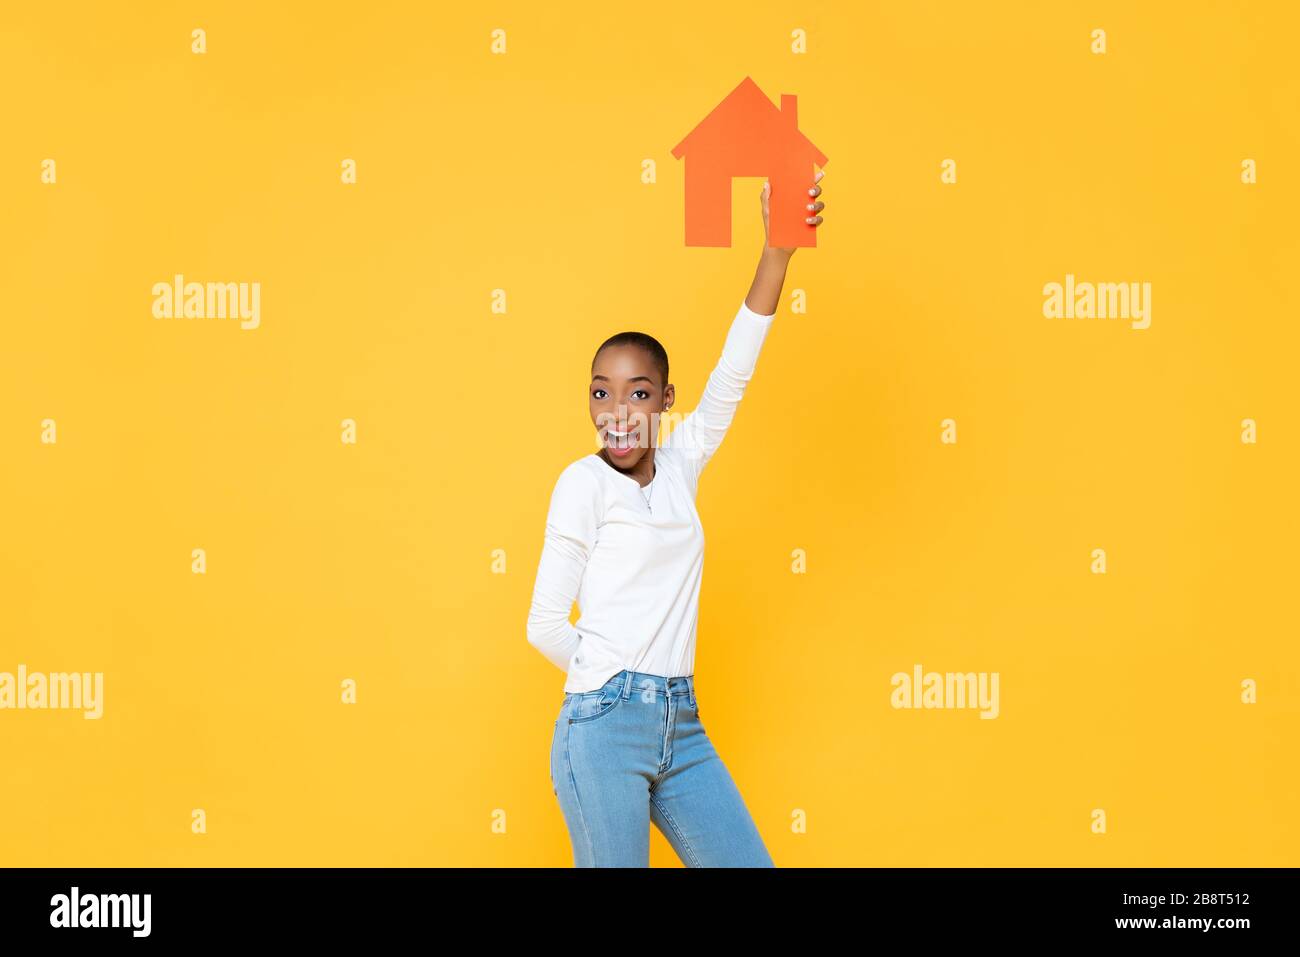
(598, 394)
(642, 392)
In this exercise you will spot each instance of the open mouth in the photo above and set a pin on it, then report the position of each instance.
(620, 443)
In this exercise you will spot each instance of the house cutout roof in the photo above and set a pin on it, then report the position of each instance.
(745, 127)
(747, 135)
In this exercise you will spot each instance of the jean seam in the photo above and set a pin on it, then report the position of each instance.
(577, 804)
(555, 788)
(690, 852)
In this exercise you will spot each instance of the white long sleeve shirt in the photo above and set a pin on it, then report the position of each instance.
(635, 568)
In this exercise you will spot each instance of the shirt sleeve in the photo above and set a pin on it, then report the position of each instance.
(702, 431)
(571, 527)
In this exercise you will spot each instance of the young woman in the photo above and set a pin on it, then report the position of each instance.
(623, 538)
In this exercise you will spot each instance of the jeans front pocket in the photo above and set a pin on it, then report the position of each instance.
(593, 705)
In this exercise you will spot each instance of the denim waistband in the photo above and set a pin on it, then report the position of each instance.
(638, 682)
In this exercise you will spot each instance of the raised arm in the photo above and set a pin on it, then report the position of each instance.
(571, 525)
(703, 429)
(765, 291)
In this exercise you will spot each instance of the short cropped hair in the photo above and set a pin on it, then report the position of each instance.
(658, 355)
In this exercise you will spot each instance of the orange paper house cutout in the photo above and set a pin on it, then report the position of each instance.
(746, 135)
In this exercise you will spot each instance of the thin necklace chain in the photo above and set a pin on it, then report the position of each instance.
(651, 483)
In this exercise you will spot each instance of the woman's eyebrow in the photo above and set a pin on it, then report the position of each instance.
(635, 378)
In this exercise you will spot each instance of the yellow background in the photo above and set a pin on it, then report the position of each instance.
(522, 172)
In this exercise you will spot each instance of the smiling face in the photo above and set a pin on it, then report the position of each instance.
(627, 394)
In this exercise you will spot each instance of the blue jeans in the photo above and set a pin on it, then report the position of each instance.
(633, 752)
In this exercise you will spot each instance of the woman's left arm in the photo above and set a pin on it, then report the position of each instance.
(701, 432)
(765, 292)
